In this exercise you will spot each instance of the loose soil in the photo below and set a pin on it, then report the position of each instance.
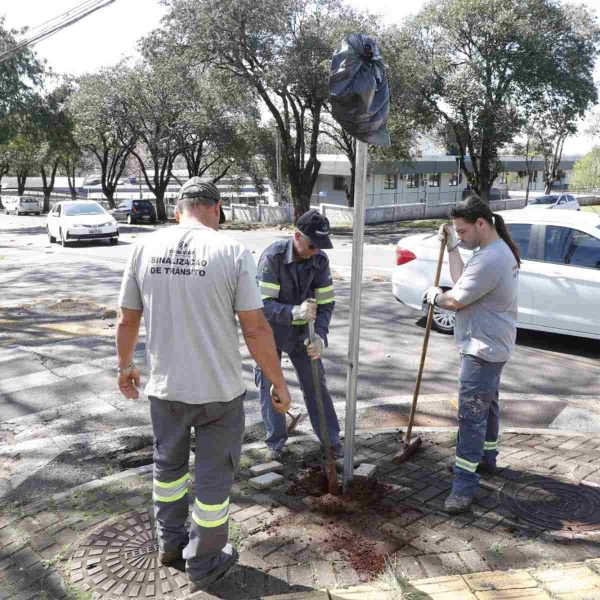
(346, 525)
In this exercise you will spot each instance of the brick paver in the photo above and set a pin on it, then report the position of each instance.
(285, 547)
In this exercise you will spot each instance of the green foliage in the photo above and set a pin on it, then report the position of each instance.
(586, 171)
(477, 63)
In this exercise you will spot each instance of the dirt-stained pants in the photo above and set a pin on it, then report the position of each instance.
(478, 421)
(219, 427)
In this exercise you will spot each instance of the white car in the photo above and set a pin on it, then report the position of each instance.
(22, 205)
(81, 220)
(554, 201)
(559, 283)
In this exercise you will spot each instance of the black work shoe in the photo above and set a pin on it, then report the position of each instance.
(456, 504)
(168, 557)
(228, 561)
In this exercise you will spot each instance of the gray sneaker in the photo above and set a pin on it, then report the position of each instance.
(456, 504)
(271, 454)
(228, 560)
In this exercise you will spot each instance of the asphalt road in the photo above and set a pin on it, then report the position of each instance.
(61, 387)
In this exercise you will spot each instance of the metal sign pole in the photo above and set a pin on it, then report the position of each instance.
(360, 190)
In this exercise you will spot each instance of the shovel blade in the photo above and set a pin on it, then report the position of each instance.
(407, 449)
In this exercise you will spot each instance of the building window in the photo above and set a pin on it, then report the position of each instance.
(412, 180)
(454, 179)
(390, 182)
(434, 180)
(339, 184)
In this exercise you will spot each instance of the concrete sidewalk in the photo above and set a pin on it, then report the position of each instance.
(541, 510)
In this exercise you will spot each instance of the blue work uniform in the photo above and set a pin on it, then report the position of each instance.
(284, 284)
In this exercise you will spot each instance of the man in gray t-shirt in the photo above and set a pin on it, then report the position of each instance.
(190, 282)
(485, 300)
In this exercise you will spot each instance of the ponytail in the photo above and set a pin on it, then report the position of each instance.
(474, 208)
(503, 233)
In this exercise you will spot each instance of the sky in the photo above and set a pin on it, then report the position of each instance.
(109, 34)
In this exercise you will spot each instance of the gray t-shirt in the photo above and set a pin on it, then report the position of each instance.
(190, 281)
(489, 283)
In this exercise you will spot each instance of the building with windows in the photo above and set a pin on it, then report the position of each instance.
(431, 179)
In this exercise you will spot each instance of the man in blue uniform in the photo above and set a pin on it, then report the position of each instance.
(291, 274)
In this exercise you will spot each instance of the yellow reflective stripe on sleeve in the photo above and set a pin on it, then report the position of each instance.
(269, 290)
(171, 484)
(322, 290)
(324, 295)
(326, 300)
(466, 465)
(490, 445)
(299, 322)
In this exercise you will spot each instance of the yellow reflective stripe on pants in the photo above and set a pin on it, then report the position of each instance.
(170, 491)
(300, 322)
(490, 445)
(210, 515)
(466, 465)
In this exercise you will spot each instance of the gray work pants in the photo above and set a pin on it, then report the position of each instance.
(219, 427)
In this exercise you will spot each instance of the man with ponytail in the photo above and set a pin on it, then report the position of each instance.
(485, 300)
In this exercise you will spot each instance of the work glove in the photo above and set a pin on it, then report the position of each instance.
(315, 350)
(307, 311)
(432, 293)
(280, 398)
(447, 234)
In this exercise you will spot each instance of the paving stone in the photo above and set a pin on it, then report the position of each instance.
(300, 575)
(301, 596)
(365, 471)
(452, 562)
(345, 575)
(512, 580)
(473, 561)
(570, 579)
(533, 594)
(428, 494)
(444, 587)
(269, 467)
(25, 557)
(324, 575)
(277, 581)
(247, 513)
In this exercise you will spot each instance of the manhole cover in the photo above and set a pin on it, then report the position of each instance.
(120, 560)
(554, 504)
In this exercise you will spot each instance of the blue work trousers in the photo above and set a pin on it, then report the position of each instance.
(478, 421)
(275, 423)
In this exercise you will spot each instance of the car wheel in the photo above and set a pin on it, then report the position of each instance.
(443, 320)
(129, 219)
(114, 241)
(51, 238)
(63, 242)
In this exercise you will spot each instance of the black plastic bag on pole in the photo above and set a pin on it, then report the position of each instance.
(358, 90)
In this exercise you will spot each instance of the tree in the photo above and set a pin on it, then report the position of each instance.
(4, 167)
(481, 60)
(530, 149)
(150, 105)
(586, 171)
(279, 48)
(19, 75)
(99, 128)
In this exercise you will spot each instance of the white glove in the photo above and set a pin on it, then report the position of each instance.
(447, 234)
(307, 311)
(315, 350)
(432, 293)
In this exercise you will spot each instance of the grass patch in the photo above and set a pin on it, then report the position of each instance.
(235, 534)
(423, 223)
(58, 557)
(497, 548)
(396, 582)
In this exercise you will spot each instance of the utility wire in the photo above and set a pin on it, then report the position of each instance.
(55, 25)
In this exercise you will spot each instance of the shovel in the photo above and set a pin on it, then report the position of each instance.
(295, 420)
(408, 448)
(329, 460)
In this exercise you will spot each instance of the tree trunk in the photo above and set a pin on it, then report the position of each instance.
(350, 192)
(21, 181)
(161, 213)
(109, 195)
(528, 186)
(1, 205)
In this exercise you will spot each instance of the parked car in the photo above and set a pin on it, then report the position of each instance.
(135, 211)
(559, 283)
(22, 205)
(81, 220)
(558, 201)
